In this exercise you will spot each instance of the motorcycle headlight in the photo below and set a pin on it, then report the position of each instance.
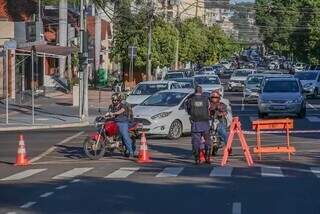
(161, 115)
(308, 85)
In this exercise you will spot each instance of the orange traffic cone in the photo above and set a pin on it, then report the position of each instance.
(21, 158)
(143, 156)
(202, 156)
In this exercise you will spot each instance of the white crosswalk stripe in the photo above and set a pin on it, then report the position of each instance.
(221, 171)
(167, 172)
(122, 172)
(73, 173)
(313, 119)
(170, 172)
(316, 171)
(23, 174)
(271, 171)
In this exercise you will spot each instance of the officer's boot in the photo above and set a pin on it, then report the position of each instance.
(197, 156)
(208, 155)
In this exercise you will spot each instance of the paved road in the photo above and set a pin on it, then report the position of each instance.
(62, 180)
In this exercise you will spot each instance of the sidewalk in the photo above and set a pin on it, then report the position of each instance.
(54, 110)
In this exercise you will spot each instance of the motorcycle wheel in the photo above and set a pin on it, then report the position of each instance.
(214, 149)
(94, 150)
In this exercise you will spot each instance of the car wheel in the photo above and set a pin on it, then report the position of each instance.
(302, 113)
(262, 115)
(175, 130)
(315, 93)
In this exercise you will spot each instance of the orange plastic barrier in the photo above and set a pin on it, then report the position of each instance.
(235, 128)
(275, 124)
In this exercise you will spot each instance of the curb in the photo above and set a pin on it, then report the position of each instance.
(39, 127)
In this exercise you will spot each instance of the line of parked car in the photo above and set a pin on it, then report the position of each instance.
(160, 105)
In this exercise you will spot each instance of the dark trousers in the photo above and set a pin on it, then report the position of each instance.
(197, 140)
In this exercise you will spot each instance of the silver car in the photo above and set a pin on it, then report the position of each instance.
(252, 87)
(238, 78)
(281, 95)
(310, 81)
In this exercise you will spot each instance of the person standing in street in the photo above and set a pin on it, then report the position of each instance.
(198, 109)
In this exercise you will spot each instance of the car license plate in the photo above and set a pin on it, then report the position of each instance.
(278, 107)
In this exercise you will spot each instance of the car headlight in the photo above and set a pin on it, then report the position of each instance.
(247, 90)
(161, 115)
(263, 101)
(308, 85)
(298, 100)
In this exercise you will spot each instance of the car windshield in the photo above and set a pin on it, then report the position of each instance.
(306, 76)
(285, 86)
(242, 73)
(149, 89)
(207, 80)
(173, 75)
(185, 83)
(254, 80)
(165, 99)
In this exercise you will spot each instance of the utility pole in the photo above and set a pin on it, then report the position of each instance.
(176, 65)
(63, 32)
(83, 72)
(97, 40)
(149, 62)
(197, 5)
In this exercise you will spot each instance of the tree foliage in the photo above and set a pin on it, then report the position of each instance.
(291, 27)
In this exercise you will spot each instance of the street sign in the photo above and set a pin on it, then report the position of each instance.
(11, 44)
(132, 51)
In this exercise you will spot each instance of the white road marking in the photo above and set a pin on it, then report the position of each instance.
(123, 172)
(75, 181)
(236, 208)
(73, 173)
(271, 171)
(316, 171)
(62, 187)
(47, 194)
(170, 172)
(221, 171)
(313, 119)
(42, 119)
(314, 107)
(24, 174)
(51, 149)
(28, 205)
(11, 213)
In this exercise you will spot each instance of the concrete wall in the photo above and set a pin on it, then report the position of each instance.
(7, 31)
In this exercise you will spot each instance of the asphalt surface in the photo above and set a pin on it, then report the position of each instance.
(62, 180)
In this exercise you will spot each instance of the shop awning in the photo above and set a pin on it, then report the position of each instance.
(50, 50)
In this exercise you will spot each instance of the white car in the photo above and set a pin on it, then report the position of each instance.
(164, 113)
(145, 89)
(298, 67)
(209, 83)
(174, 74)
(238, 78)
(226, 64)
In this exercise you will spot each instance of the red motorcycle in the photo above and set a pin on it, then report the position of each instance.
(107, 138)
